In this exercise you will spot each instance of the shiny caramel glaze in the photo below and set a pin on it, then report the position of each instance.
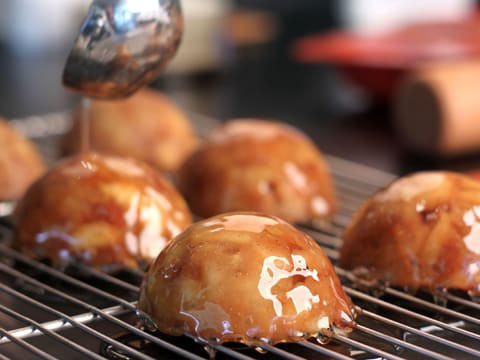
(99, 210)
(257, 165)
(147, 126)
(423, 231)
(244, 277)
(20, 163)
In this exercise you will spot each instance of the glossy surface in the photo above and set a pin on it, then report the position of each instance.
(258, 166)
(244, 277)
(423, 231)
(147, 126)
(122, 46)
(20, 163)
(103, 211)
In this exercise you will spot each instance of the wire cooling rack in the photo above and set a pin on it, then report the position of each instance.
(81, 313)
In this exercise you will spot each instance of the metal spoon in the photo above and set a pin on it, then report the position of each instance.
(122, 46)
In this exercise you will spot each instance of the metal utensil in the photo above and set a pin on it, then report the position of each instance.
(122, 46)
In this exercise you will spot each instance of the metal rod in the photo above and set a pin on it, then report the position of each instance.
(324, 350)
(364, 174)
(358, 294)
(435, 307)
(421, 333)
(279, 352)
(463, 302)
(30, 348)
(99, 313)
(35, 326)
(355, 183)
(365, 347)
(404, 344)
(107, 278)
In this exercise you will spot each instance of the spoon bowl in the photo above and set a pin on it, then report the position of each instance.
(122, 46)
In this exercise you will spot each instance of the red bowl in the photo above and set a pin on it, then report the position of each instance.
(378, 63)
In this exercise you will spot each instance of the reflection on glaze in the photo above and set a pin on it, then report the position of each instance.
(472, 220)
(240, 223)
(296, 176)
(88, 165)
(473, 269)
(244, 277)
(209, 318)
(255, 129)
(420, 206)
(81, 169)
(276, 269)
(146, 210)
(123, 167)
(320, 206)
(100, 210)
(410, 186)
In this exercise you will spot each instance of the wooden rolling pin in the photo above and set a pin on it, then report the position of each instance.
(437, 109)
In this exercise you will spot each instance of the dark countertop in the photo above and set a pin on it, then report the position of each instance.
(256, 82)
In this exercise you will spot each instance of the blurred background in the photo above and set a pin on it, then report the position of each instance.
(390, 84)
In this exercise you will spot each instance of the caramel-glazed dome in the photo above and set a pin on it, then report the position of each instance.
(100, 210)
(147, 126)
(423, 231)
(20, 163)
(244, 277)
(255, 165)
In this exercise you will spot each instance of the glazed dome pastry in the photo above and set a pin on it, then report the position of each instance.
(258, 165)
(104, 211)
(20, 161)
(147, 126)
(423, 231)
(244, 277)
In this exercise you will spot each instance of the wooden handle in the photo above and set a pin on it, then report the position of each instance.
(437, 109)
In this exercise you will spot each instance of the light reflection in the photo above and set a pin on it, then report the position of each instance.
(274, 270)
(420, 206)
(472, 219)
(43, 237)
(212, 316)
(147, 212)
(320, 205)
(473, 269)
(131, 243)
(302, 298)
(295, 175)
(131, 215)
(123, 166)
(87, 165)
(324, 322)
(150, 242)
(243, 128)
(241, 223)
(408, 187)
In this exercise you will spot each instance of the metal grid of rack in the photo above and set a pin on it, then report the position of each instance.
(79, 312)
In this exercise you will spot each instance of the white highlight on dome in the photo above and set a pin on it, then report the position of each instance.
(408, 187)
(123, 166)
(274, 270)
(472, 219)
(296, 176)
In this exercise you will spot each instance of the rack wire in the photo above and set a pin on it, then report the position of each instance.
(82, 313)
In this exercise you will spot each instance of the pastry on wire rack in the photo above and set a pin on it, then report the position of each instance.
(422, 231)
(104, 211)
(258, 165)
(148, 126)
(248, 278)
